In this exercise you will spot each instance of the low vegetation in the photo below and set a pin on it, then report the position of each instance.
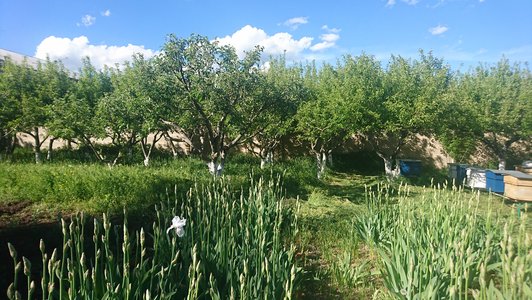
(232, 247)
(284, 236)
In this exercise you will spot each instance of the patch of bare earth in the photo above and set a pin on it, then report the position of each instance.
(22, 213)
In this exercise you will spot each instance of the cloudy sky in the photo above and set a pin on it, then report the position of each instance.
(463, 32)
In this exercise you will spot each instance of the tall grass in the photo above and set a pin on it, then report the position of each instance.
(235, 246)
(96, 187)
(439, 245)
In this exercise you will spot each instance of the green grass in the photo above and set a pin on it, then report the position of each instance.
(231, 247)
(62, 188)
(338, 262)
(95, 188)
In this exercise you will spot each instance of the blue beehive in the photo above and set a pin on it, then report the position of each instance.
(410, 167)
(495, 181)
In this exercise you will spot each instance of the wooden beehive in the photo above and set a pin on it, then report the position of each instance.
(518, 186)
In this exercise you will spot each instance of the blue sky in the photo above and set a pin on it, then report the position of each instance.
(463, 32)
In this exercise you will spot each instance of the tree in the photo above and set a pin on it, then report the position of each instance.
(458, 129)
(344, 103)
(29, 94)
(55, 84)
(73, 117)
(130, 113)
(216, 92)
(323, 120)
(10, 95)
(412, 91)
(284, 87)
(501, 97)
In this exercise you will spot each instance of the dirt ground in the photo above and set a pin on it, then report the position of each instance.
(21, 214)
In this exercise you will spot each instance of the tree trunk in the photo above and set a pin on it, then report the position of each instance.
(321, 162)
(50, 148)
(115, 161)
(266, 159)
(502, 163)
(170, 143)
(37, 145)
(11, 144)
(129, 153)
(216, 165)
(330, 160)
(389, 169)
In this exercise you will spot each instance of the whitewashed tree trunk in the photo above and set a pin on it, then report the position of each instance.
(216, 165)
(321, 162)
(330, 160)
(268, 159)
(388, 167)
(502, 164)
(389, 170)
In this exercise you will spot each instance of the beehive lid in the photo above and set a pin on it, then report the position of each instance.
(515, 174)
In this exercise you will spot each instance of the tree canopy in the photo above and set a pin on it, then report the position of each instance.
(215, 100)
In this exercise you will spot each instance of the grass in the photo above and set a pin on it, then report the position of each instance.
(62, 188)
(338, 262)
(230, 247)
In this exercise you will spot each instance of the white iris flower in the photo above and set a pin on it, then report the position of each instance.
(179, 225)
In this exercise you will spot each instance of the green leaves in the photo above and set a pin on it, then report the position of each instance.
(233, 247)
(489, 105)
(440, 246)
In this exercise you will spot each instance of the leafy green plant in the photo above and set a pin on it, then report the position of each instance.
(232, 247)
(348, 275)
(439, 246)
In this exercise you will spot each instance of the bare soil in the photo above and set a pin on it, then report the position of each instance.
(21, 214)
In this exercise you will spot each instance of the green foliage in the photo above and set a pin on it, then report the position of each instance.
(215, 93)
(232, 249)
(348, 275)
(489, 105)
(323, 119)
(94, 187)
(438, 246)
(284, 89)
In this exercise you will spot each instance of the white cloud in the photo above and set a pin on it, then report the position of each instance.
(438, 30)
(248, 37)
(106, 13)
(328, 40)
(333, 30)
(87, 20)
(294, 23)
(72, 51)
(391, 3)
